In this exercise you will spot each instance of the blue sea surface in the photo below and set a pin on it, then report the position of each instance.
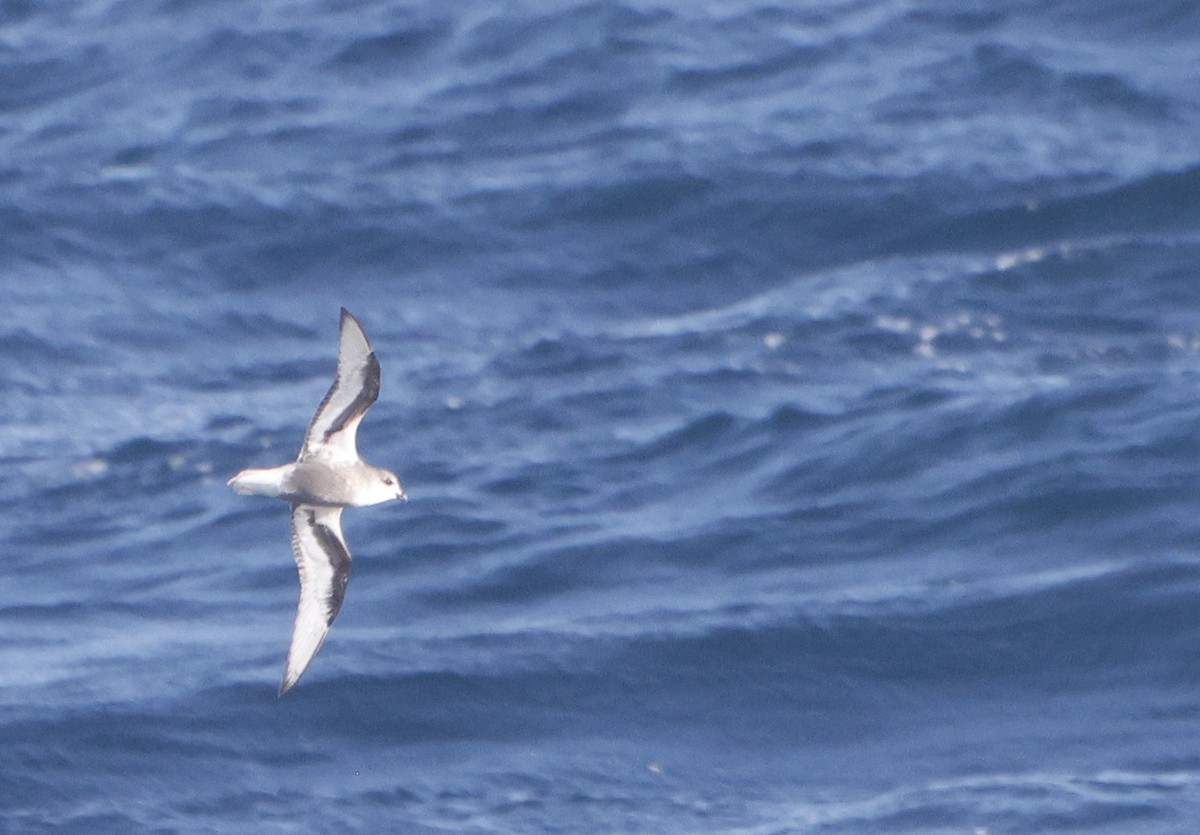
(800, 406)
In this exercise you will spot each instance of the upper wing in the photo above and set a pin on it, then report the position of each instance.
(324, 564)
(334, 427)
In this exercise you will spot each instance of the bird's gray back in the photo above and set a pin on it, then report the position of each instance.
(316, 482)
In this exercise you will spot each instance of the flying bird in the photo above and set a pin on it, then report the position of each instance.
(326, 477)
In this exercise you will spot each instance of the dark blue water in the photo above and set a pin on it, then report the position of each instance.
(800, 405)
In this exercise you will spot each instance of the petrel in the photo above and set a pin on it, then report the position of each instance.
(327, 476)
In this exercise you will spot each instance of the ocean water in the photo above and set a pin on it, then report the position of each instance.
(800, 406)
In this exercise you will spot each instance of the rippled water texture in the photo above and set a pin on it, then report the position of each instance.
(799, 406)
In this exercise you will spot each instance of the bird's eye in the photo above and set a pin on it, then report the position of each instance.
(388, 481)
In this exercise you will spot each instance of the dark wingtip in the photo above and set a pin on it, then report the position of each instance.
(347, 316)
(284, 684)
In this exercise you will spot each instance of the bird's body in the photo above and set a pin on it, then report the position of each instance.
(317, 482)
(327, 476)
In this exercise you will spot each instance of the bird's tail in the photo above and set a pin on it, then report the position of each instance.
(260, 482)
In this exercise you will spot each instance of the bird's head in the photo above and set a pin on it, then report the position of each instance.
(384, 487)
